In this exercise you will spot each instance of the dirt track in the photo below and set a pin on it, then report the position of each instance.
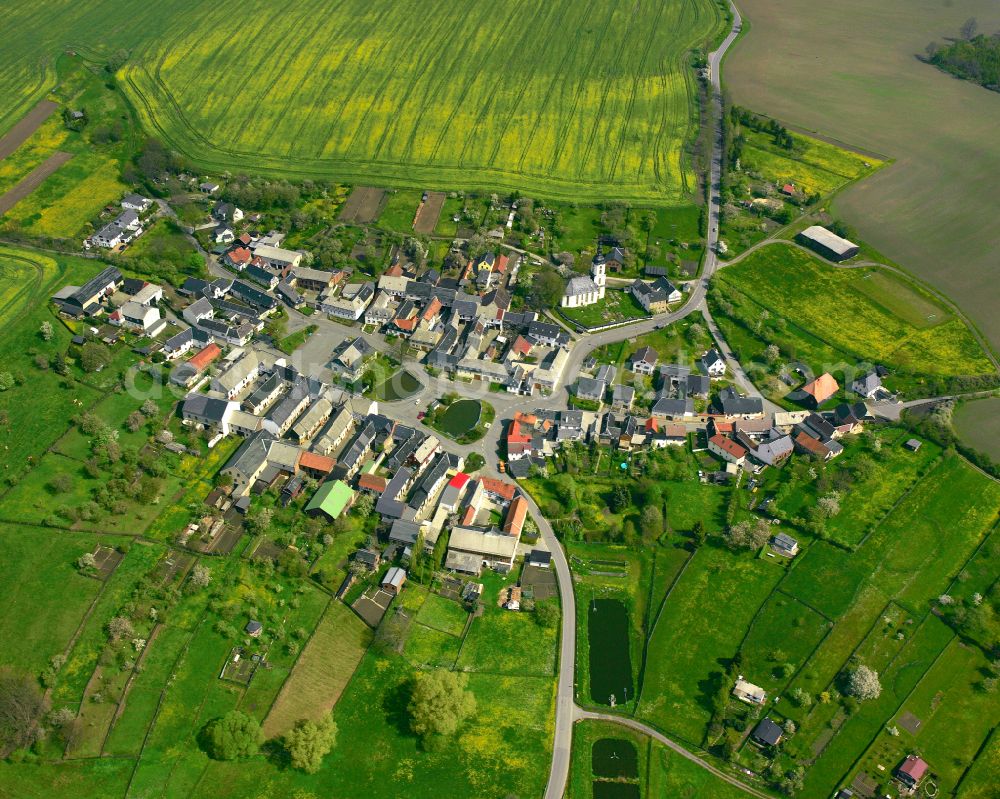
(32, 181)
(25, 126)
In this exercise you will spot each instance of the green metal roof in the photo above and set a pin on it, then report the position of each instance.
(333, 498)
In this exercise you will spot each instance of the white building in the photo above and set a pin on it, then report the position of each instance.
(582, 290)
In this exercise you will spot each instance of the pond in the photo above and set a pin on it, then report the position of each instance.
(610, 660)
(398, 387)
(461, 417)
(616, 790)
(614, 757)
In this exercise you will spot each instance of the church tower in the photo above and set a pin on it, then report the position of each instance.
(597, 272)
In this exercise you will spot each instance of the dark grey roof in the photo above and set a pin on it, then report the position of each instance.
(252, 453)
(254, 296)
(97, 283)
(767, 732)
(732, 403)
(404, 532)
(205, 407)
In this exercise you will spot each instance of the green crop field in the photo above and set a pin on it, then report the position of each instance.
(558, 99)
(825, 315)
(978, 424)
(850, 70)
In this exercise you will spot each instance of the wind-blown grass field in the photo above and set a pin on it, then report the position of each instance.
(560, 99)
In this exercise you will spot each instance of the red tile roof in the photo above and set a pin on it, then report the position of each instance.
(914, 767)
(516, 514)
(810, 444)
(501, 264)
(372, 482)
(432, 310)
(728, 445)
(205, 357)
(822, 388)
(469, 516)
(241, 255)
(521, 346)
(394, 271)
(499, 487)
(316, 462)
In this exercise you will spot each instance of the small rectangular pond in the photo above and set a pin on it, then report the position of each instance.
(610, 660)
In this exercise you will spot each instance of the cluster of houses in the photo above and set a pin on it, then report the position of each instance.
(126, 303)
(655, 296)
(296, 427)
(125, 227)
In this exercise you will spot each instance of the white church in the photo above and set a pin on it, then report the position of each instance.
(582, 290)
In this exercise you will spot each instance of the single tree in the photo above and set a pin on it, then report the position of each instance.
(120, 627)
(440, 703)
(201, 576)
(309, 742)
(94, 356)
(863, 683)
(233, 736)
(21, 707)
(46, 331)
(651, 521)
(7, 381)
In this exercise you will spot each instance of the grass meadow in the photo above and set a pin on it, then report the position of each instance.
(557, 100)
(850, 71)
(978, 424)
(825, 316)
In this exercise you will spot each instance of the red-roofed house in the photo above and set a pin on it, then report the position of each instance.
(501, 264)
(727, 449)
(499, 489)
(459, 480)
(469, 516)
(372, 482)
(521, 346)
(788, 188)
(208, 354)
(518, 441)
(516, 514)
(315, 464)
(394, 271)
(239, 258)
(912, 771)
(432, 310)
(820, 389)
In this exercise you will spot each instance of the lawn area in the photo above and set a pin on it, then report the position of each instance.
(74, 779)
(956, 718)
(377, 755)
(66, 202)
(322, 671)
(400, 210)
(723, 592)
(978, 425)
(44, 595)
(397, 387)
(27, 279)
(812, 166)
(617, 306)
(502, 642)
(872, 475)
(444, 615)
(980, 780)
(827, 318)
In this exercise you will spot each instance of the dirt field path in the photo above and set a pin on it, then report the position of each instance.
(32, 181)
(27, 125)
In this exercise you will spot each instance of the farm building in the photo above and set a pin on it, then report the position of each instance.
(785, 545)
(332, 498)
(393, 580)
(748, 692)
(912, 445)
(828, 244)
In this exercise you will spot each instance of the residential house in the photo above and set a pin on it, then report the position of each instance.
(494, 548)
(622, 398)
(767, 733)
(868, 385)
(644, 361)
(655, 297)
(820, 390)
(748, 692)
(727, 449)
(713, 364)
(351, 357)
(331, 499)
(731, 403)
(912, 771)
(134, 202)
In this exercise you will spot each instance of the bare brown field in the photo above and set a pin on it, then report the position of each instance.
(850, 70)
(32, 181)
(429, 212)
(363, 206)
(27, 125)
